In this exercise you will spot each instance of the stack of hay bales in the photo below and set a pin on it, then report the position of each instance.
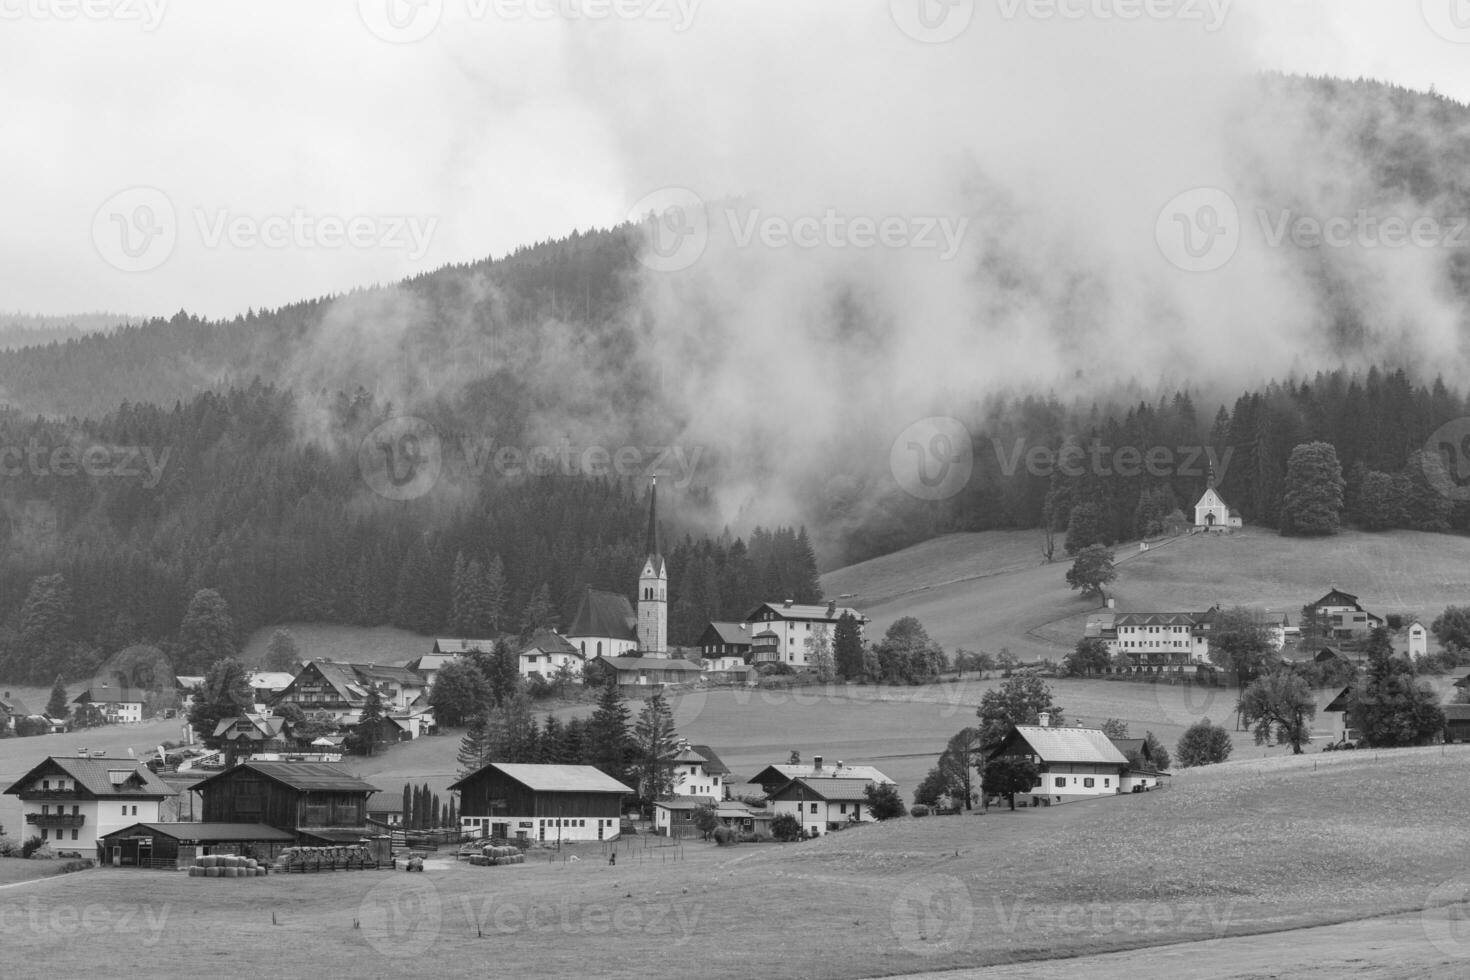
(494, 854)
(347, 856)
(226, 866)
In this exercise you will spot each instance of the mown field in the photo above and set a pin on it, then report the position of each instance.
(987, 591)
(1242, 848)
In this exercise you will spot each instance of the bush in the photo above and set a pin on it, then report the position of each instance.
(9, 847)
(31, 846)
(786, 827)
(919, 810)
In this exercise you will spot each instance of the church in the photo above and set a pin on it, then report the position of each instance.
(634, 645)
(1212, 514)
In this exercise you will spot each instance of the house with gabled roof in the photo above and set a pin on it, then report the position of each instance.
(698, 771)
(823, 804)
(546, 653)
(309, 799)
(71, 802)
(1073, 763)
(773, 777)
(725, 646)
(114, 710)
(1341, 616)
(250, 733)
(541, 802)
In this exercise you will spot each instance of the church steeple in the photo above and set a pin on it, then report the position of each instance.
(653, 589)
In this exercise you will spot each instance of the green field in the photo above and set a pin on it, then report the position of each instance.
(1236, 849)
(985, 591)
(352, 644)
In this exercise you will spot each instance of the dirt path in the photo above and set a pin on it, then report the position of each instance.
(1432, 944)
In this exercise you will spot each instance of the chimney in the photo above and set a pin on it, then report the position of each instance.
(789, 603)
(1044, 720)
(816, 763)
(832, 609)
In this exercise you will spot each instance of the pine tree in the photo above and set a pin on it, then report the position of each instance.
(539, 612)
(56, 707)
(655, 745)
(474, 746)
(606, 738)
(847, 647)
(494, 590)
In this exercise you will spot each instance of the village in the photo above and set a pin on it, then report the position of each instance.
(276, 777)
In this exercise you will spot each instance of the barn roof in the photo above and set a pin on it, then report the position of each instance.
(1068, 744)
(304, 776)
(547, 778)
(775, 773)
(799, 610)
(202, 832)
(832, 790)
(735, 634)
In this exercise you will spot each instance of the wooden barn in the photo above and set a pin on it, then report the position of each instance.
(541, 802)
(292, 796)
(175, 845)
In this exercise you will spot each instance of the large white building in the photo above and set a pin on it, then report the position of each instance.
(779, 631)
(71, 802)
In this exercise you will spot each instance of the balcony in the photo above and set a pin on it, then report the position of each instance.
(59, 820)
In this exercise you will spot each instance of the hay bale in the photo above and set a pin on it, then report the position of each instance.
(196, 872)
(212, 872)
(229, 872)
(251, 863)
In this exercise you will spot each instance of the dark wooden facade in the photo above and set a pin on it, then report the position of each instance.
(247, 795)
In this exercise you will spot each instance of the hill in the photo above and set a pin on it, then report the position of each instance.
(351, 644)
(978, 591)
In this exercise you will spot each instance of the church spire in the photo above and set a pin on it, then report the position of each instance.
(653, 518)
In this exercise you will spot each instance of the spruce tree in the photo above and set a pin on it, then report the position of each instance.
(655, 744)
(606, 738)
(847, 647)
(56, 707)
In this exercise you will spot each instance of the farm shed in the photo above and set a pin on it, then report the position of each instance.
(1456, 722)
(541, 802)
(287, 795)
(173, 845)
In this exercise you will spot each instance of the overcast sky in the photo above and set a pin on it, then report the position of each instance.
(215, 155)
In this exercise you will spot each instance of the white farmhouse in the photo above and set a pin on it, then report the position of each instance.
(72, 802)
(780, 630)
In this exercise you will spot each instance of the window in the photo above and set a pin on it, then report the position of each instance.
(73, 834)
(1061, 781)
(842, 808)
(45, 784)
(124, 809)
(814, 808)
(43, 833)
(1087, 782)
(1107, 782)
(45, 809)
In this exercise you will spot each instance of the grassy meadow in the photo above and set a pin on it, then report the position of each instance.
(1242, 848)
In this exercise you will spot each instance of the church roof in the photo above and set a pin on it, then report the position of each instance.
(604, 614)
(651, 543)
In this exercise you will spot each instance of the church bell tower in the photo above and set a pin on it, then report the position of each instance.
(653, 589)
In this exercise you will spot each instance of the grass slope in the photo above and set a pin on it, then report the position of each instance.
(982, 591)
(354, 644)
(1231, 850)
